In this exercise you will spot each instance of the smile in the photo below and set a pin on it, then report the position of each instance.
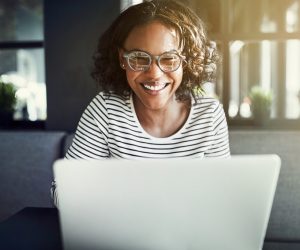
(154, 87)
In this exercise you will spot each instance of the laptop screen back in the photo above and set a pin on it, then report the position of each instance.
(166, 204)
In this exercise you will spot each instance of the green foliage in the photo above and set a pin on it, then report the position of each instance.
(7, 96)
(261, 101)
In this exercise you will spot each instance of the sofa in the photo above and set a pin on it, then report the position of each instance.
(26, 159)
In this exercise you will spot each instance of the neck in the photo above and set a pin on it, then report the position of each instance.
(162, 122)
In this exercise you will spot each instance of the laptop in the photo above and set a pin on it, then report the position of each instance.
(173, 204)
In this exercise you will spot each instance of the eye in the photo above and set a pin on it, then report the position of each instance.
(169, 59)
(139, 58)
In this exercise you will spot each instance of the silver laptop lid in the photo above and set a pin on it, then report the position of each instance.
(166, 204)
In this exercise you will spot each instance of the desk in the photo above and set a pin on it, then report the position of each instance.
(31, 229)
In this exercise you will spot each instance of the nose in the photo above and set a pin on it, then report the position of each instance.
(154, 71)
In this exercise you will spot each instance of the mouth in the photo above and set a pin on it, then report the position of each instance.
(154, 86)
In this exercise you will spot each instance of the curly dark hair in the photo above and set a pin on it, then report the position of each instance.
(201, 54)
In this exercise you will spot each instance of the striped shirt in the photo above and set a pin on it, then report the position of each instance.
(109, 127)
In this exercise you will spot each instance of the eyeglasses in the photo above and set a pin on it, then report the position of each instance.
(141, 61)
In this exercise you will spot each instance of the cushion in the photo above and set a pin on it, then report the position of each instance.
(26, 160)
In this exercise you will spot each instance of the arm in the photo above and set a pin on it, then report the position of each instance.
(220, 145)
(90, 141)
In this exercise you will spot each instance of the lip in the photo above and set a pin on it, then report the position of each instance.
(154, 87)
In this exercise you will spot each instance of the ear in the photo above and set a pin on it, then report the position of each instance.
(121, 58)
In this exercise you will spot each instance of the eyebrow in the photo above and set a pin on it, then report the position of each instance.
(140, 50)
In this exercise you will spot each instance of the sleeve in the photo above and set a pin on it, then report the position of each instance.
(90, 140)
(220, 144)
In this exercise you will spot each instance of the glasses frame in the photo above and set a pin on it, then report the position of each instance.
(157, 59)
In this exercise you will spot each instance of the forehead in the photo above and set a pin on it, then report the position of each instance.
(154, 37)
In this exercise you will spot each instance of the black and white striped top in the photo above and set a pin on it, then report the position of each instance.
(109, 128)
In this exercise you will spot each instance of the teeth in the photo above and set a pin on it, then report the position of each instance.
(155, 87)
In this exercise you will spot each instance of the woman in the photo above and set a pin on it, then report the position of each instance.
(150, 65)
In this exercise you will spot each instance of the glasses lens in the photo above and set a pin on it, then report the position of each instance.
(139, 60)
(169, 62)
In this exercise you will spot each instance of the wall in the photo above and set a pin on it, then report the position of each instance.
(72, 29)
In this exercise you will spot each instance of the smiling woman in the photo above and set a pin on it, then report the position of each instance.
(150, 64)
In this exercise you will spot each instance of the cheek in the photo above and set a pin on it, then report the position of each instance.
(178, 76)
(131, 76)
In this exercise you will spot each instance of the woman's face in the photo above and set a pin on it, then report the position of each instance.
(153, 88)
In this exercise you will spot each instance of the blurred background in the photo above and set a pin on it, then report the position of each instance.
(46, 50)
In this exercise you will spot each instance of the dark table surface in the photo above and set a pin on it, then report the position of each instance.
(31, 228)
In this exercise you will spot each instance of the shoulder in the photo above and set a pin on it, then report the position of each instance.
(109, 97)
(207, 110)
(107, 106)
(110, 101)
(209, 104)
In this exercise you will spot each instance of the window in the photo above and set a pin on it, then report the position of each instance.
(22, 56)
(260, 45)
